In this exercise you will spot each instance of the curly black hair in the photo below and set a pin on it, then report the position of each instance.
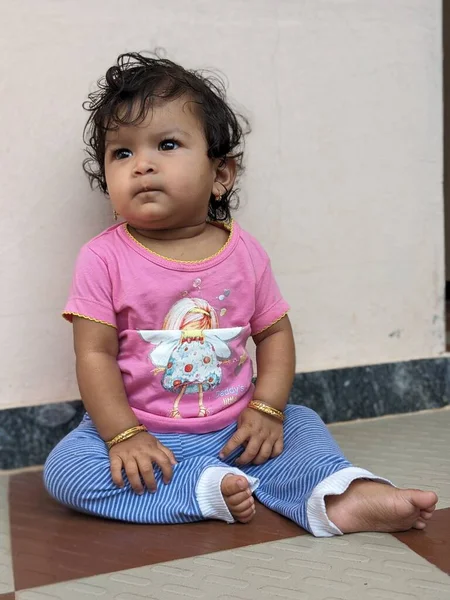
(129, 89)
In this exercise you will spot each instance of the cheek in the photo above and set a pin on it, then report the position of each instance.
(193, 176)
(114, 180)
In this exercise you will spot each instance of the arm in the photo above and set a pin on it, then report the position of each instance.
(103, 394)
(275, 361)
(262, 435)
(99, 377)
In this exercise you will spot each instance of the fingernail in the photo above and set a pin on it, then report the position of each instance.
(221, 455)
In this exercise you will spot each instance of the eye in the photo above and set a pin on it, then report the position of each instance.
(122, 153)
(167, 145)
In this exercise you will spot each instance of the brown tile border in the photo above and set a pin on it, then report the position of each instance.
(51, 544)
(433, 544)
(10, 596)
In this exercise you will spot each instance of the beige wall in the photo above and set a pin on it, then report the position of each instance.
(446, 50)
(344, 175)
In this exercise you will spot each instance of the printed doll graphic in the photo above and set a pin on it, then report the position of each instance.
(189, 350)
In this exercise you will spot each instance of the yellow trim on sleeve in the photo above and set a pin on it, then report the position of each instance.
(65, 315)
(271, 325)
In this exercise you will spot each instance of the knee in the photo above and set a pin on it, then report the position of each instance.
(302, 413)
(74, 468)
(55, 474)
(58, 472)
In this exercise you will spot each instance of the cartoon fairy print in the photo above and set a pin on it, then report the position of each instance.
(190, 349)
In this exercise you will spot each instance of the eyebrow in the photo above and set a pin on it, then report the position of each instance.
(175, 130)
(166, 133)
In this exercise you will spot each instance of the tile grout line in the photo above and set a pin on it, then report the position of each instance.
(6, 567)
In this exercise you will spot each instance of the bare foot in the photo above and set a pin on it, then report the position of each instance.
(375, 506)
(238, 497)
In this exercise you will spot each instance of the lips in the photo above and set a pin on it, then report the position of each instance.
(147, 193)
(147, 190)
(145, 187)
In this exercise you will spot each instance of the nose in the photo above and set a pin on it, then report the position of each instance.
(144, 165)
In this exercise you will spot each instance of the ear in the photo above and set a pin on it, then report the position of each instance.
(225, 176)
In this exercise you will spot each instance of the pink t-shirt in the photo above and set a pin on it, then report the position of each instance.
(182, 326)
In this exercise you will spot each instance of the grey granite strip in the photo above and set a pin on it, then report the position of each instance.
(373, 391)
(28, 434)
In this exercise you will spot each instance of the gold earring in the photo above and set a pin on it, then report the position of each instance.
(219, 198)
(115, 215)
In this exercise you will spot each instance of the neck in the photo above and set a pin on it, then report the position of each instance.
(177, 233)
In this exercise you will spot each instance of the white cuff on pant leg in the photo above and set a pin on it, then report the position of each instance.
(209, 495)
(336, 484)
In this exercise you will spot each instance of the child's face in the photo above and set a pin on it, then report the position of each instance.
(157, 172)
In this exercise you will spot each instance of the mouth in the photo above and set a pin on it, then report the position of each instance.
(147, 192)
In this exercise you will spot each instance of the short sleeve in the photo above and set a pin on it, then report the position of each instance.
(91, 290)
(270, 305)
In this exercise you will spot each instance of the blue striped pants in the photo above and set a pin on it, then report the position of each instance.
(77, 472)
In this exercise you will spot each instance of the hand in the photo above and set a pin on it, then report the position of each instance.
(137, 456)
(262, 436)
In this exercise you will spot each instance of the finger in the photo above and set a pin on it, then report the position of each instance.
(265, 452)
(236, 440)
(163, 462)
(277, 448)
(116, 470)
(134, 478)
(170, 455)
(252, 450)
(146, 470)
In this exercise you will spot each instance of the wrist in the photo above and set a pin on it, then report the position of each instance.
(279, 403)
(267, 409)
(125, 435)
(111, 430)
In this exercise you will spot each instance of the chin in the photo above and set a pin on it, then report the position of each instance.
(150, 223)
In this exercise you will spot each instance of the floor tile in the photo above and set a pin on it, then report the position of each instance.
(357, 567)
(56, 551)
(51, 543)
(433, 543)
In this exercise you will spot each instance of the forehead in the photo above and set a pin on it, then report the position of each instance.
(160, 116)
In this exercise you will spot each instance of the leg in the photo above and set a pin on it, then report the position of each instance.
(315, 486)
(310, 455)
(77, 474)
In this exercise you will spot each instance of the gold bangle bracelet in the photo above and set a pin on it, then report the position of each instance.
(125, 435)
(268, 410)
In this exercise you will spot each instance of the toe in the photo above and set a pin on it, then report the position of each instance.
(419, 524)
(423, 500)
(425, 514)
(233, 484)
(247, 515)
(239, 498)
(245, 505)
